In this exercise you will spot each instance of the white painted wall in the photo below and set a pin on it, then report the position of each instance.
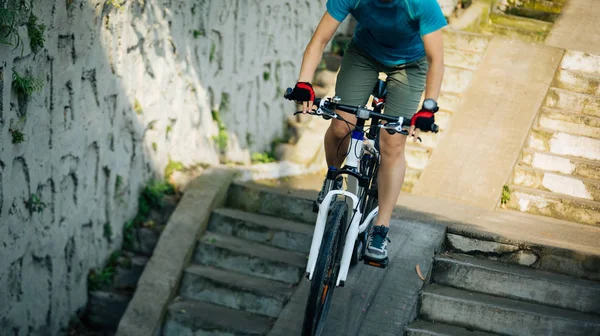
(81, 131)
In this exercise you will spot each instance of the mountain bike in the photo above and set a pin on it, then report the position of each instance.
(341, 230)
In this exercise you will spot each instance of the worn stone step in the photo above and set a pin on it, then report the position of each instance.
(577, 81)
(501, 315)
(582, 62)
(573, 101)
(465, 41)
(191, 317)
(427, 328)
(520, 23)
(571, 123)
(561, 143)
(251, 258)
(456, 80)
(417, 156)
(573, 166)
(516, 33)
(235, 290)
(539, 202)
(558, 183)
(270, 230)
(462, 59)
(516, 282)
(272, 201)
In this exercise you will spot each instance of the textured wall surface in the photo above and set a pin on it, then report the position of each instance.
(124, 90)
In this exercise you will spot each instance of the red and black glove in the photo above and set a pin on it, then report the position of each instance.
(423, 120)
(303, 91)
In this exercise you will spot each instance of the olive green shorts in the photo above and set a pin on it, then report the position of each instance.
(359, 73)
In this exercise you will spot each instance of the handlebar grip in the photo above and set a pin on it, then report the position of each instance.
(435, 128)
(288, 94)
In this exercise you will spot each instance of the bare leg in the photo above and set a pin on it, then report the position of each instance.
(391, 174)
(337, 132)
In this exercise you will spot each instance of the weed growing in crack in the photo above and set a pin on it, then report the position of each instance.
(26, 85)
(137, 107)
(34, 204)
(9, 27)
(17, 136)
(154, 146)
(102, 279)
(505, 198)
(108, 232)
(172, 167)
(36, 33)
(221, 139)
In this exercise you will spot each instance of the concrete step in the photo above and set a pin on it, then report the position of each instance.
(501, 315)
(250, 258)
(426, 328)
(462, 59)
(573, 101)
(516, 33)
(577, 81)
(235, 290)
(269, 230)
(200, 318)
(521, 24)
(539, 202)
(571, 123)
(558, 183)
(516, 282)
(464, 41)
(561, 143)
(272, 201)
(456, 80)
(573, 166)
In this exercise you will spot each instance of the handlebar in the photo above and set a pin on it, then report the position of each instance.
(360, 112)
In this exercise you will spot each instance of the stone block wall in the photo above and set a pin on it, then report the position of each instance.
(123, 92)
(558, 173)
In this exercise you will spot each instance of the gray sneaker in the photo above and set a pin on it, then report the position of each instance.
(377, 243)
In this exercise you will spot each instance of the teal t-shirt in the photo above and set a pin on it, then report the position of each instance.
(390, 31)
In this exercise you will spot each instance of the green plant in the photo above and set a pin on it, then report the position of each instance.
(9, 27)
(25, 85)
(108, 231)
(34, 204)
(266, 75)
(137, 107)
(198, 32)
(265, 157)
(152, 124)
(213, 49)
(118, 182)
(17, 136)
(115, 3)
(154, 146)
(172, 166)
(36, 33)
(169, 130)
(128, 234)
(101, 279)
(222, 138)
(505, 198)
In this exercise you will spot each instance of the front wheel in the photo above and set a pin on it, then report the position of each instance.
(326, 271)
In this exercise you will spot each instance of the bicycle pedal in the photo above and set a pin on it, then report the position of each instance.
(376, 263)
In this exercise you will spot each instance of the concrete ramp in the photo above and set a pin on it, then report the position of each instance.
(375, 301)
(474, 160)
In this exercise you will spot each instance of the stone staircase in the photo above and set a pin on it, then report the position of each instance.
(558, 173)
(246, 266)
(472, 295)
(462, 53)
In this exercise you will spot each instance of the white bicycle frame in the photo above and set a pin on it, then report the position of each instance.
(356, 226)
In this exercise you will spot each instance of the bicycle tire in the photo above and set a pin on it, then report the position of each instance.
(326, 271)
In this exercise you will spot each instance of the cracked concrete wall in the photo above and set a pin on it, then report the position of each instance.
(123, 91)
